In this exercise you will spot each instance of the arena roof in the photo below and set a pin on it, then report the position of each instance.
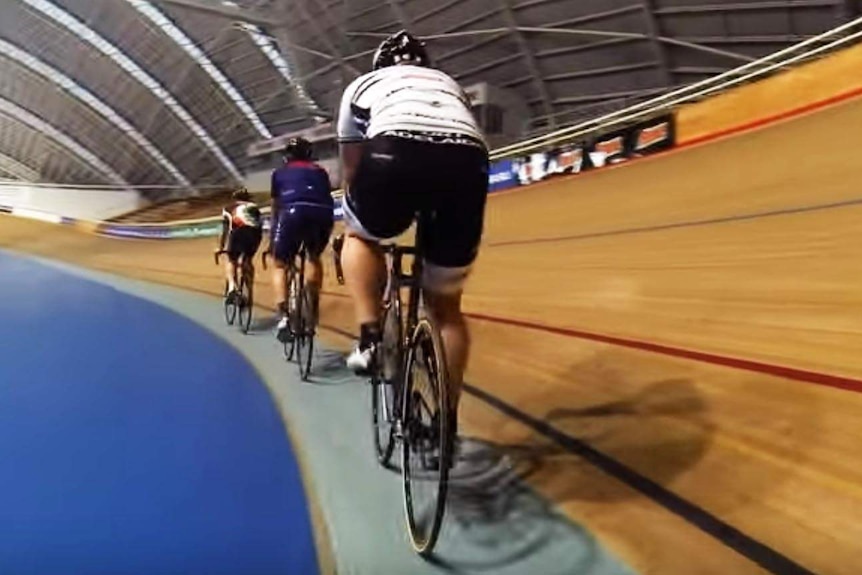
(171, 92)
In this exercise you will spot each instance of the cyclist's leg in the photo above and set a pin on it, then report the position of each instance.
(256, 237)
(233, 255)
(320, 228)
(451, 241)
(230, 269)
(379, 205)
(364, 273)
(286, 239)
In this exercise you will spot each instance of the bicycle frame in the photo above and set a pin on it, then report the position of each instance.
(395, 282)
(241, 265)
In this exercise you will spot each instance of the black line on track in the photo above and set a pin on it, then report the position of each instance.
(687, 224)
(757, 552)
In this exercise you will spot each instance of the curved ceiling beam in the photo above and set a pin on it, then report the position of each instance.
(179, 37)
(16, 112)
(71, 87)
(227, 10)
(18, 169)
(94, 39)
(268, 47)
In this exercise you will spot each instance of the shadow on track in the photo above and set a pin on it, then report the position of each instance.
(496, 523)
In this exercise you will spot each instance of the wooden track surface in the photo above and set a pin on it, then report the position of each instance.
(792, 89)
(743, 250)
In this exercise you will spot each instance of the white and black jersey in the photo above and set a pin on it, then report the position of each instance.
(410, 101)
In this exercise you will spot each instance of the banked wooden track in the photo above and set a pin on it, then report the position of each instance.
(669, 350)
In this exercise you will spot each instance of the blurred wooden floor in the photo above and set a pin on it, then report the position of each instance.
(669, 350)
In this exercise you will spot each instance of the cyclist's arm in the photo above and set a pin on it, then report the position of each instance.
(273, 193)
(225, 227)
(351, 133)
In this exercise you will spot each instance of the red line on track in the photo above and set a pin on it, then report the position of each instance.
(838, 382)
(786, 115)
(824, 379)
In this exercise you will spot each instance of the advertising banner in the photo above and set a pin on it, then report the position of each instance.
(502, 175)
(532, 168)
(638, 140)
(564, 161)
(653, 136)
(129, 231)
(609, 150)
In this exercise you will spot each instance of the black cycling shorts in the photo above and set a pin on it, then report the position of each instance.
(447, 183)
(243, 241)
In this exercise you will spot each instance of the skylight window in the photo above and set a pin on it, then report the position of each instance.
(266, 45)
(38, 124)
(103, 109)
(16, 169)
(183, 41)
(123, 61)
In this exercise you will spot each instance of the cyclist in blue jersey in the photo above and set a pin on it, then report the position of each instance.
(302, 214)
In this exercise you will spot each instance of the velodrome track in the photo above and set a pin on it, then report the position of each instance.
(667, 350)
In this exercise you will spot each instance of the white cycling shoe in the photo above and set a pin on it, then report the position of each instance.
(360, 360)
(282, 330)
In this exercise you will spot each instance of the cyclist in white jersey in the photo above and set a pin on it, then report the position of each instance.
(410, 143)
(241, 234)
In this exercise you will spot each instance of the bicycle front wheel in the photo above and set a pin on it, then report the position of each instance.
(293, 316)
(305, 336)
(229, 307)
(246, 304)
(426, 450)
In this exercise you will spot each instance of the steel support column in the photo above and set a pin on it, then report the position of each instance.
(654, 33)
(529, 59)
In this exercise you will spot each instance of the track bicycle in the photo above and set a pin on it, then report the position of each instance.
(410, 401)
(242, 302)
(301, 320)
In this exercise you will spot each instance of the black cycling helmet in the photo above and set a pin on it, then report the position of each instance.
(298, 149)
(241, 194)
(401, 48)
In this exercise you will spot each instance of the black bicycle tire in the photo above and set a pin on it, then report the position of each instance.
(290, 346)
(305, 337)
(424, 544)
(383, 448)
(229, 307)
(246, 304)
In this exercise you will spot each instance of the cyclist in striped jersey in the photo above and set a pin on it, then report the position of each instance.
(410, 143)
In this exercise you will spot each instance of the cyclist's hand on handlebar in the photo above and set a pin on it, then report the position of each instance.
(217, 252)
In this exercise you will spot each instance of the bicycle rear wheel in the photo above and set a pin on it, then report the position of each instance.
(386, 380)
(230, 307)
(246, 304)
(305, 335)
(293, 313)
(426, 449)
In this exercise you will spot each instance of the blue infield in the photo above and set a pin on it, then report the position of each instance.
(134, 441)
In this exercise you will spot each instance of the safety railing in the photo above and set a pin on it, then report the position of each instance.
(808, 49)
